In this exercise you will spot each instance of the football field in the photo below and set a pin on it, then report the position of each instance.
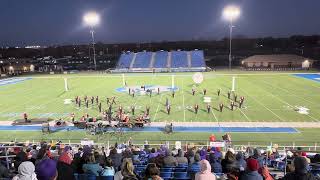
(268, 97)
(271, 100)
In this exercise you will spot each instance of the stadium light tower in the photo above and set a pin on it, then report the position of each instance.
(92, 19)
(230, 13)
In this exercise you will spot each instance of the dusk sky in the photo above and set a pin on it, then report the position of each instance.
(47, 22)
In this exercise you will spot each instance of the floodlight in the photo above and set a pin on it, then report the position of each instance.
(91, 19)
(231, 12)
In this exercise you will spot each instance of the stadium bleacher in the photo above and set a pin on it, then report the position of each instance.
(142, 60)
(197, 59)
(161, 58)
(161, 61)
(179, 59)
(125, 60)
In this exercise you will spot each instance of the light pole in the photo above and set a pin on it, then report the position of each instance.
(92, 19)
(230, 13)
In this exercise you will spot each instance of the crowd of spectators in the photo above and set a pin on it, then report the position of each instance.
(59, 162)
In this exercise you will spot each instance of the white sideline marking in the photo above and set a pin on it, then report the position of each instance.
(184, 109)
(264, 106)
(289, 104)
(155, 115)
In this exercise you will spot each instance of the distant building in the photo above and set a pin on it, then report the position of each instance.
(277, 61)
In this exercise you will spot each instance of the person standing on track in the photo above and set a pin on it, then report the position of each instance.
(132, 109)
(221, 107)
(196, 108)
(158, 90)
(208, 108)
(168, 109)
(218, 92)
(100, 108)
(147, 110)
(232, 105)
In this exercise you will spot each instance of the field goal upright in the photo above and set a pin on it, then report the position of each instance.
(66, 88)
(233, 83)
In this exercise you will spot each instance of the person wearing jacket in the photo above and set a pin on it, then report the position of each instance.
(205, 171)
(26, 172)
(240, 163)
(180, 158)
(91, 166)
(300, 170)
(215, 164)
(65, 170)
(251, 172)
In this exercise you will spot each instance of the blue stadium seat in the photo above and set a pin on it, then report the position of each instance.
(142, 60)
(179, 59)
(180, 169)
(281, 166)
(166, 169)
(197, 59)
(125, 60)
(106, 177)
(84, 177)
(160, 59)
(166, 175)
(181, 175)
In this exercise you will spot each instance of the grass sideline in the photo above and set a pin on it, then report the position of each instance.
(306, 137)
(269, 97)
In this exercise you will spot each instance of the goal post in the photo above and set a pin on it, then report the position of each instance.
(66, 84)
(233, 83)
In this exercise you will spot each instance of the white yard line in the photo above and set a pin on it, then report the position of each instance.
(183, 105)
(264, 106)
(292, 106)
(287, 91)
(155, 115)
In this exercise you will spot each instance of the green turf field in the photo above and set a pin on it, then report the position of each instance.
(268, 97)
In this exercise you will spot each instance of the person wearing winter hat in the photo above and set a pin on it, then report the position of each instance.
(251, 172)
(300, 170)
(205, 171)
(47, 170)
(65, 170)
(26, 172)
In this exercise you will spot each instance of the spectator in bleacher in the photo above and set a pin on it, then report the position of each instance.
(118, 175)
(266, 174)
(205, 171)
(26, 172)
(21, 156)
(257, 155)
(65, 170)
(300, 170)
(251, 172)
(215, 164)
(128, 171)
(195, 166)
(152, 172)
(316, 158)
(203, 153)
(217, 152)
(169, 160)
(180, 157)
(116, 158)
(34, 153)
(304, 154)
(43, 154)
(91, 166)
(4, 172)
(241, 164)
(153, 153)
(79, 153)
(228, 163)
(190, 155)
(47, 170)
(108, 169)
